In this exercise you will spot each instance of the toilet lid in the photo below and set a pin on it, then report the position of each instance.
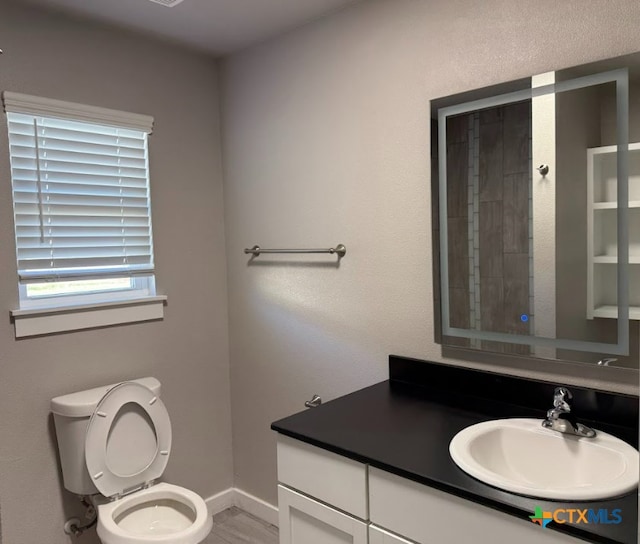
(128, 439)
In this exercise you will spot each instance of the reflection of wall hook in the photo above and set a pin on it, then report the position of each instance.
(543, 169)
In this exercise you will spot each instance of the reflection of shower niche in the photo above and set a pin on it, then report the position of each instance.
(489, 205)
(518, 271)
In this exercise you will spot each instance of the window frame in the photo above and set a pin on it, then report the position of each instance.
(72, 311)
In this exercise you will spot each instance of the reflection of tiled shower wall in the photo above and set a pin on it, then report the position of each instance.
(473, 206)
(473, 189)
(473, 198)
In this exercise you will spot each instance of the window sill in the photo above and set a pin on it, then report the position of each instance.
(38, 321)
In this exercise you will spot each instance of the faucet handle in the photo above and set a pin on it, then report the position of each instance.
(561, 398)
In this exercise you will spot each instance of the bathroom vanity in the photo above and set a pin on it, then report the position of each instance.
(374, 466)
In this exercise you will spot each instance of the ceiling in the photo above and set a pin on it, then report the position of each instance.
(215, 26)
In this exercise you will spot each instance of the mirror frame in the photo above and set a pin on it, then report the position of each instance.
(621, 78)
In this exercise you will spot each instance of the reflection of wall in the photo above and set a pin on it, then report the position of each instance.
(543, 215)
(488, 182)
(584, 118)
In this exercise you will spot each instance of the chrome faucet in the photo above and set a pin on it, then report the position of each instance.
(561, 419)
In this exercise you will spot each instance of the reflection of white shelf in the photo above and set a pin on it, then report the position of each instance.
(611, 312)
(614, 205)
(602, 231)
(613, 259)
(612, 149)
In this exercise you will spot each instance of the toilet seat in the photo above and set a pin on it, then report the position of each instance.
(154, 454)
(110, 514)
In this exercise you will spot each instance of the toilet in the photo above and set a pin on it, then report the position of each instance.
(114, 443)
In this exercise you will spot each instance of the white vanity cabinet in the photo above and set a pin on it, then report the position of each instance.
(325, 498)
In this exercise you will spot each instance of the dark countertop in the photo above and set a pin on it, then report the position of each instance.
(406, 429)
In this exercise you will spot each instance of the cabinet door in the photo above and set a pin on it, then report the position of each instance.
(305, 521)
(380, 536)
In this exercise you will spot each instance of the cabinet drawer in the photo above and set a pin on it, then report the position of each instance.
(327, 476)
(306, 521)
(426, 515)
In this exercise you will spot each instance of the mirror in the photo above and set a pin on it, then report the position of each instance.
(537, 224)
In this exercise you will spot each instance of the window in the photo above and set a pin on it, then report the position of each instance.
(81, 203)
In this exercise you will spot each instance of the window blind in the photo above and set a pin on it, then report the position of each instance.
(81, 198)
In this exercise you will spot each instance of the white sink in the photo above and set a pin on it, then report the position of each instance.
(521, 456)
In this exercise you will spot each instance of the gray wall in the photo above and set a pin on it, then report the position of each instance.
(60, 58)
(326, 140)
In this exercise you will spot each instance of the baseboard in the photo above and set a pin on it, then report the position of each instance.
(259, 508)
(243, 500)
(220, 501)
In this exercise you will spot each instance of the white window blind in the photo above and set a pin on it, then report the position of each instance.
(80, 193)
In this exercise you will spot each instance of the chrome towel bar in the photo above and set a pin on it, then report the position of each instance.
(340, 250)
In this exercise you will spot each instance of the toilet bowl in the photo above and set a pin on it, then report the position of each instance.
(114, 445)
(163, 513)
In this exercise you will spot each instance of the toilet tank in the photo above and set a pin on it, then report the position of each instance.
(71, 414)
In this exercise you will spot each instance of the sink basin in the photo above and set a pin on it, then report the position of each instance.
(521, 456)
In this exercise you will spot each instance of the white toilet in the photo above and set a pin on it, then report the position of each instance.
(115, 441)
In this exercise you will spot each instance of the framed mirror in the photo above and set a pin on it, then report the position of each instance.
(537, 225)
